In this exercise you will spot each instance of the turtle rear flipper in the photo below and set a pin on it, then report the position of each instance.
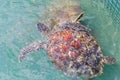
(31, 48)
(109, 60)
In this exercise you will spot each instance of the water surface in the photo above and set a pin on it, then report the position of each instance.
(18, 20)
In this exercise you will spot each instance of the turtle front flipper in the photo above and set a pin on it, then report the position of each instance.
(43, 28)
(31, 48)
(109, 60)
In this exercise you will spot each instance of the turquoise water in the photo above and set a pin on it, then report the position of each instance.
(18, 20)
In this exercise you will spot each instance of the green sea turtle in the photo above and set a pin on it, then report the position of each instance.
(71, 48)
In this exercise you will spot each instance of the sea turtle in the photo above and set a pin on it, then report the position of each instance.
(72, 49)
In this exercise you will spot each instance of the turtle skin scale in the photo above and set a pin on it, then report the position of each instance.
(74, 51)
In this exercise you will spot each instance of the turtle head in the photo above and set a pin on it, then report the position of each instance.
(109, 60)
(43, 28)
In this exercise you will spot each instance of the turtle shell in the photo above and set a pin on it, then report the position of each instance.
(75, 52)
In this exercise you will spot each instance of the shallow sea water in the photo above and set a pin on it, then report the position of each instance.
(18, 19)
